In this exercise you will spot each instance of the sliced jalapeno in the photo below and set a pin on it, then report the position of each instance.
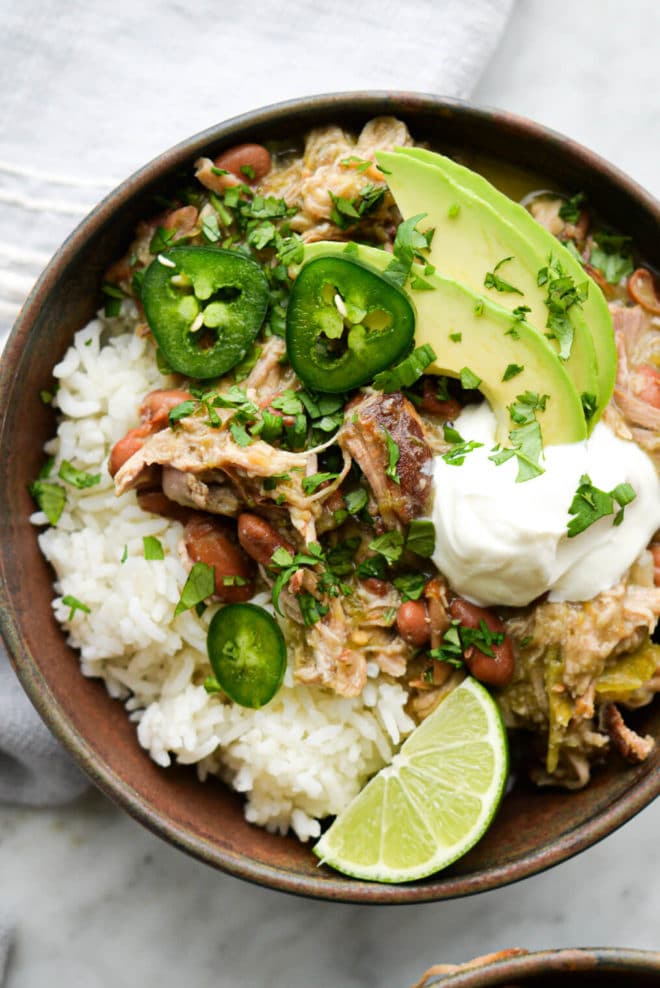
(204, 307)
(247, 653)
(345, 323)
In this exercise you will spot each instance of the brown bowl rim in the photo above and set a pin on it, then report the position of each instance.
(569, 960)
(336, 888)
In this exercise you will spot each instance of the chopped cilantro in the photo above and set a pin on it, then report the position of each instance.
(562, 294)
(589, 404)
(199, 585)
(361, 164)
(153, 549)
(182, 410)
(393, 454)
(234, 580)
(458, 639)
(569, 211)
(590, 504)
(493, 280)
(612, 255)
(124, 555)
(372, 568)
(389, 545)
(288, 403)
(312, 610)
(310, 484)
(210, 228)
(420, 538)
(451, 434)
(77, 478)
(75, 605)
(453, 210)
(456, 337)
(526, 440)
(291, 250)
(405, 374)
(343, 211)
(409, 244)
(261, 235)
(512, 371)
(50, 498)
(410, 585)
(114, 295)
(469, 381)
(455, 457)
(161, 240)
(356, 500)
(239, 434)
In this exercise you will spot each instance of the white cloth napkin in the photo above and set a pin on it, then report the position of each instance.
(92, 89)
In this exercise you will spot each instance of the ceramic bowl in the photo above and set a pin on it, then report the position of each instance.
(534, 828)
(573, 968)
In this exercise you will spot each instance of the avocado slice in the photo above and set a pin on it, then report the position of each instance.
(472, 238)
(482, 343)
(594, 309)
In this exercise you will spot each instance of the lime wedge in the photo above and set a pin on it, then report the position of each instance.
(435, 800)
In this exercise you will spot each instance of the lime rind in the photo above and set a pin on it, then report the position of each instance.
(446, 808)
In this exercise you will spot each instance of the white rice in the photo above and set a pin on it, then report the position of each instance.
(298, 760)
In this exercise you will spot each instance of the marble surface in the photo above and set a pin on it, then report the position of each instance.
(100, 901)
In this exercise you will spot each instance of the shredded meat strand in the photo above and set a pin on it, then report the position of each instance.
(367, 423)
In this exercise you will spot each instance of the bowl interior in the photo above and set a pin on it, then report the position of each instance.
(535, 828)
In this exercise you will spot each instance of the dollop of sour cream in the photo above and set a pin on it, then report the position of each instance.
(502, 542)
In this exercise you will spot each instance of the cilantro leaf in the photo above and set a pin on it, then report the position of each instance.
(153, 550)
(420, 538)
(199, 585)
(469, 381)
(590, 504)
(79, 479)
(612, 255)
(493, 280)
(75, 605)
(310, 484)
(393, 454)
(409, 244)
(389, 545)
(404, 374)
(50, 498)
(182, 410)
(239, 434)
(512, 371)
(410, 585)
(569, 211)
(526, 439)
(455, 456)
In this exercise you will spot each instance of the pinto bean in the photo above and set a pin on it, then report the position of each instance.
(375, 586)
(248, 156)
(445, 408)
(207, 540)
(158, 504)
(182, 220)
(126, 446)
(412, 622)
(259, 539)
(158, 404)
(496, 670)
